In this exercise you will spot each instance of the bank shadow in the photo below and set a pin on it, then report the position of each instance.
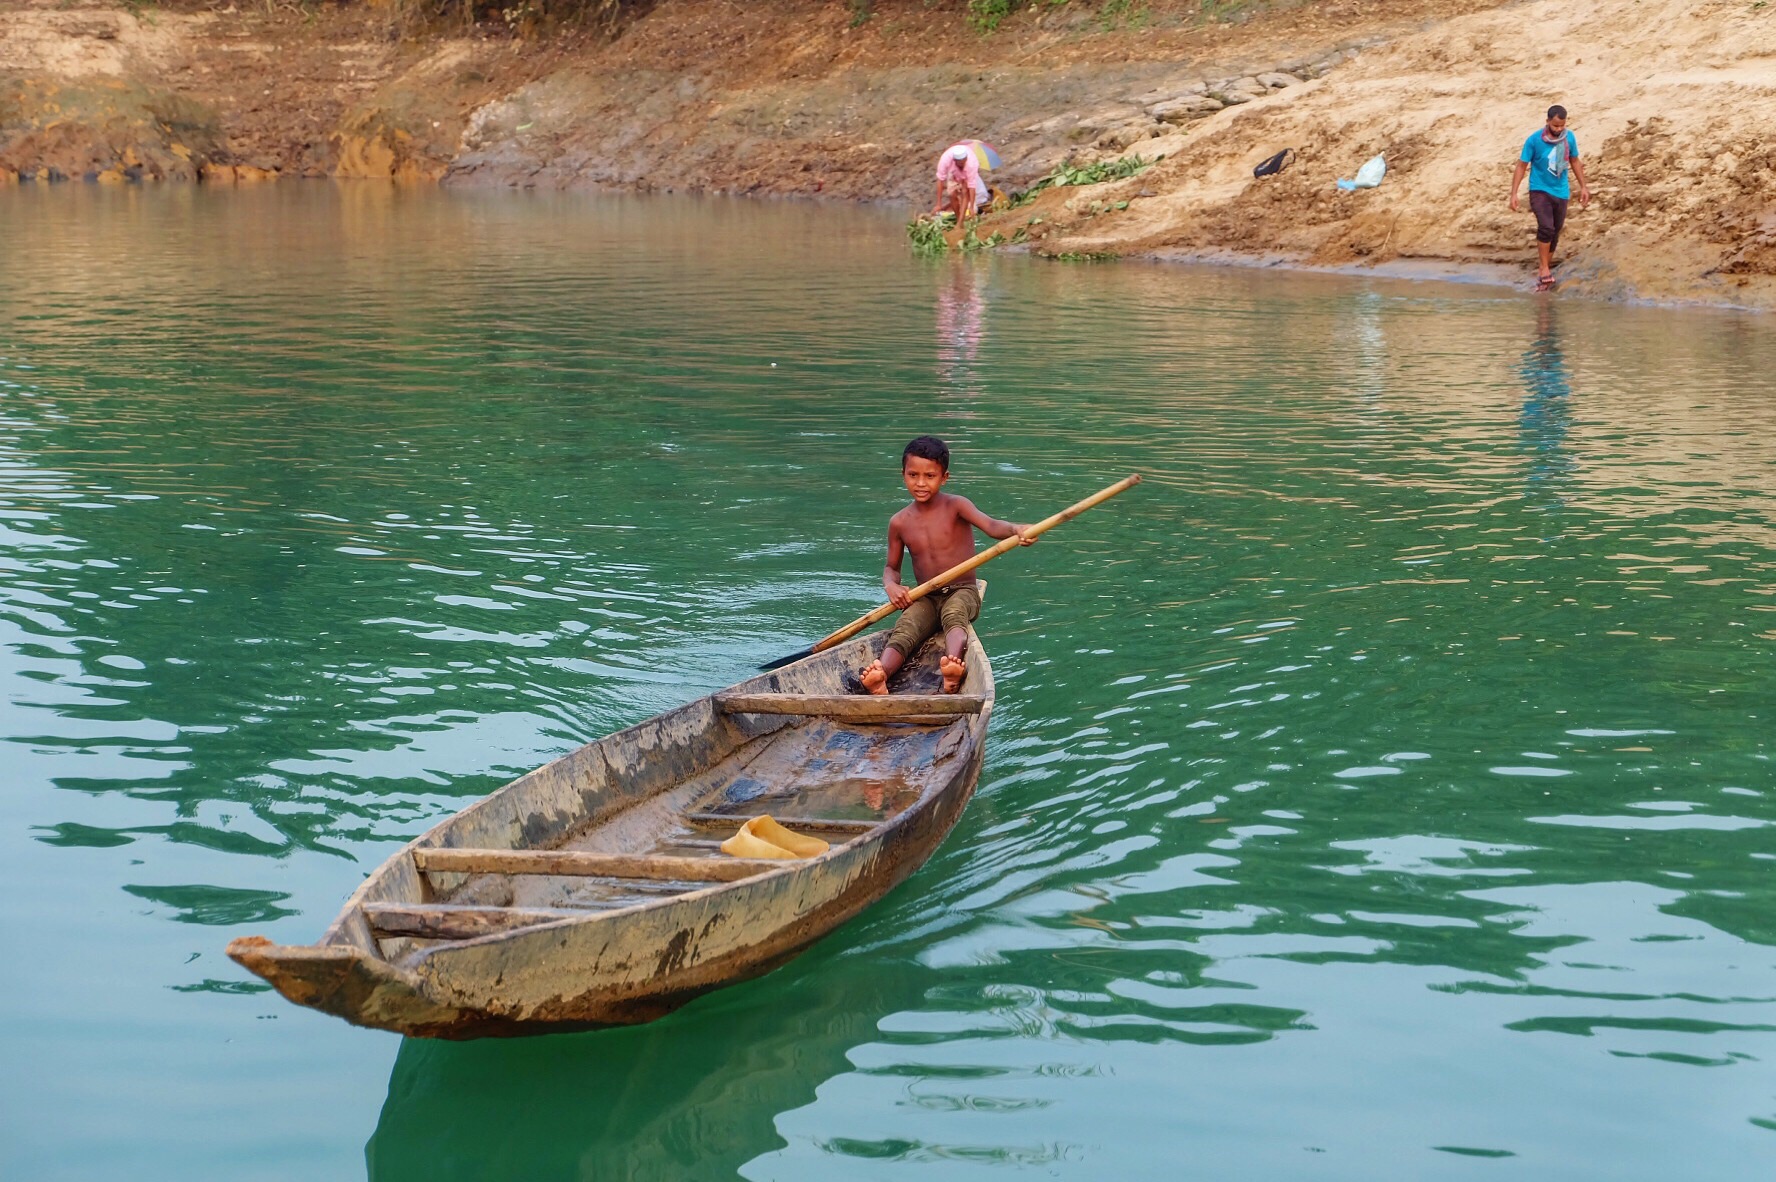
(693, 1095)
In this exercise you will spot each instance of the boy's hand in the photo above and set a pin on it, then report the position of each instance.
(898, 596)
(1023, 538)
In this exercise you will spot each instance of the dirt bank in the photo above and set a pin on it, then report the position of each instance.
(801, 98)
(1671, 100)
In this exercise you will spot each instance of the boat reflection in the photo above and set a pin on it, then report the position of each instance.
(696, 1094)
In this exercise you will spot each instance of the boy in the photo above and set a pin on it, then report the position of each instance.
(938, 530)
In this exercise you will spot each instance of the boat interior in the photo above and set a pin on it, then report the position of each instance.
(802, 760)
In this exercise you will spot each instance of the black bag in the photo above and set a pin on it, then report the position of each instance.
(1275, 164)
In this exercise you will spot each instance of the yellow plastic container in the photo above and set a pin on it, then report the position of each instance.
(761, 837)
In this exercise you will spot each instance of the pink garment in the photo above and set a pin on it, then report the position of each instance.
(950, 169)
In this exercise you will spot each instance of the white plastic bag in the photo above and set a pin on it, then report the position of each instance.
(1369, 175)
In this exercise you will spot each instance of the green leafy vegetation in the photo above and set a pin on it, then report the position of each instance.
(987, 15)
(1087, 174)
(1096, 208)
(1085, 256)
(929, 235)
(1104, 170)
(926, 233)
(524, 17)
(529, 18)
(1122, 14)
(972, 242)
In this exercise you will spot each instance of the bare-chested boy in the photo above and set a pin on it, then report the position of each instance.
(937, 529)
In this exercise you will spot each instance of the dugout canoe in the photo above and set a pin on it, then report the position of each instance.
(592, 891)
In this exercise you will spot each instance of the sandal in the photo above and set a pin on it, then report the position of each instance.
(1545, 283)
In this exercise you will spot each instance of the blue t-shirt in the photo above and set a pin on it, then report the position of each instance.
(1547, 171)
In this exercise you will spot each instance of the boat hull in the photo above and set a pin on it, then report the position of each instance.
(615, 968)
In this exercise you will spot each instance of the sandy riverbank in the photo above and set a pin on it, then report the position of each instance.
(1669, 99)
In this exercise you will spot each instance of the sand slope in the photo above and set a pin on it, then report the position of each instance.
(1673, 103)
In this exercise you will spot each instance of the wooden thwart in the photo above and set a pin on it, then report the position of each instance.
(851, 707)
(452, 921)
(734, 821)
(574, 863)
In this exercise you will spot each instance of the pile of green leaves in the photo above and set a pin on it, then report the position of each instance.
(972, 242)
(926, 232)
(1069, 173)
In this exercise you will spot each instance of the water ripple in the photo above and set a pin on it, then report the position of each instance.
(1399, 746)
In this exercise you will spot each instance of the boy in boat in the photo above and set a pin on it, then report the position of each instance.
(937, 529)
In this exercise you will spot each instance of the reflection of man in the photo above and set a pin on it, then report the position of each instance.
(1547, 155)
(960, 325)
(1546, 417)
(959, 185)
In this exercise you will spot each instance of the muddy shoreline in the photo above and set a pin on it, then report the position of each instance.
(802, 101)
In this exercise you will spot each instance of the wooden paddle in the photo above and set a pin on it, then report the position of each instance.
(962, 568)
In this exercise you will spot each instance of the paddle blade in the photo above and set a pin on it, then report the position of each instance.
(780, 662)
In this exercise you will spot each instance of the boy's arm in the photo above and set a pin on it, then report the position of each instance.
(1584, 189)
(897, 594)
(991, 526)
(1517, 175)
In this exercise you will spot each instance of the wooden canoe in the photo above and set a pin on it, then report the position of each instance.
(592, 891)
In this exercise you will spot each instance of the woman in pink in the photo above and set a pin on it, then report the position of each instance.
(959, 184)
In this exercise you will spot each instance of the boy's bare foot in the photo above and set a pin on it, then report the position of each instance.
(953, 670)
(874, 678)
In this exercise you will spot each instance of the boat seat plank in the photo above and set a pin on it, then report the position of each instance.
(817, 824)
(451, 921)
(572, 863)
(852, 707)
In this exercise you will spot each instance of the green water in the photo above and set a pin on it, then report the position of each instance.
(1381, 790)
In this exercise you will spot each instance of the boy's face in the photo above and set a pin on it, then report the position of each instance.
(923, 477)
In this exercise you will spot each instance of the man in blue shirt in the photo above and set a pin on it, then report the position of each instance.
(1546, 157)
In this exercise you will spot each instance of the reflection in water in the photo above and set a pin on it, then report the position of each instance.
(1546, 417)
(961, 326)
(695, 1095)
(1335, 805)
(1369, 346)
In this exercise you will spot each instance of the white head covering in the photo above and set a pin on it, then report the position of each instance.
(959, 152)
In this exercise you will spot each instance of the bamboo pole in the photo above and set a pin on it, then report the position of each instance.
(938, 582)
